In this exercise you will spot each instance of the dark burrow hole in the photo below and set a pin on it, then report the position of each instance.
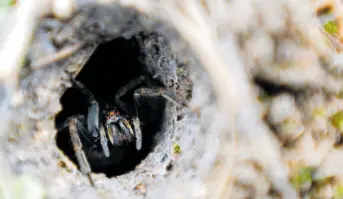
(112, 66)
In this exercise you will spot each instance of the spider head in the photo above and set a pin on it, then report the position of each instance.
(118, 128)
(112, 116)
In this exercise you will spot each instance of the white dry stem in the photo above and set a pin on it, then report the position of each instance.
(16, 35)
(64, 53)
(18, 29)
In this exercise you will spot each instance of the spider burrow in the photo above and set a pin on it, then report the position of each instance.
(101, 130)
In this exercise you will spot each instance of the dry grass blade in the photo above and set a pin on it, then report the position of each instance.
(17, 33)
(63, 54)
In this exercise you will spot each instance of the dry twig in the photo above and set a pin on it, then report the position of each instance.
(64, 53)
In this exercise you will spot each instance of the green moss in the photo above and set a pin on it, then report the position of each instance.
(12, 2)
(303, 178)
(331, 27)
(5, 3)
(319, 112)
(338, 194)
(177, 148)
(337, 120)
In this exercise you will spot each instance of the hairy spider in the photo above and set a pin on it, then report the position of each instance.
(101, 130)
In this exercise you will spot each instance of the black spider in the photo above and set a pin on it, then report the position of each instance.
(110, 127)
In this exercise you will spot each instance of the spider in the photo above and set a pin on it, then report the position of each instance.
(110, 127)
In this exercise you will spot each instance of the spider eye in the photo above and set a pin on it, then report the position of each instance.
(112, 113)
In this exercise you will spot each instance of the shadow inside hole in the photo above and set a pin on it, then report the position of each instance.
(112, 66)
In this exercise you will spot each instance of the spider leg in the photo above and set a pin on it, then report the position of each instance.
(158, 92)
(80, 154)
(119, 131)
(138, 132)
(93, 116)
(167, 94)
(84, 135)
(126, 128)
(123, 90)
(93, 108)
(127, 125)
(113, 134)
(136, 125)
(104, 141)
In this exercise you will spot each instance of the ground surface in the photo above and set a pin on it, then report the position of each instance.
(265, 81)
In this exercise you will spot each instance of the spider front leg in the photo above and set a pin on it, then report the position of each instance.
(93, 126)
(149, 92)
(123, 90)
(137, 133)
(73, 125)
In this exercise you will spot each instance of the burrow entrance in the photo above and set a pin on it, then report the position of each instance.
(112, 66)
